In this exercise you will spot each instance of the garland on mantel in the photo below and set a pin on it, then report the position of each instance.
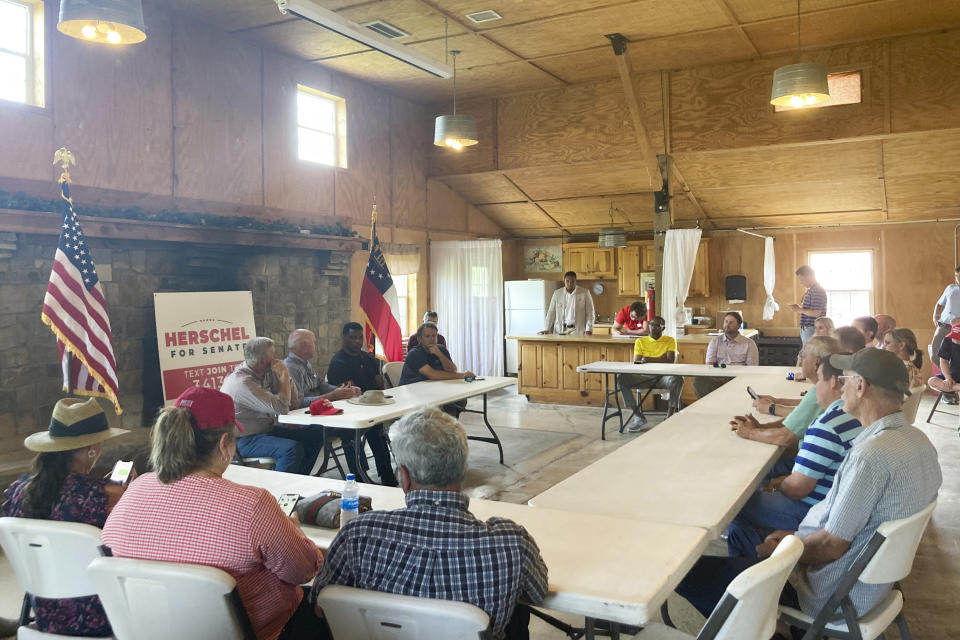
(23, 202)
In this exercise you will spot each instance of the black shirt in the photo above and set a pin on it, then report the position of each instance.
(416, 358)
(362, 368)
(950, 351)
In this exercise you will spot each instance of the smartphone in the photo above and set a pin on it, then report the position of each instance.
(121, 472)
(753, 394)
(288, 502)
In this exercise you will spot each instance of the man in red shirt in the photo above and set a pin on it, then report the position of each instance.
(630, 320)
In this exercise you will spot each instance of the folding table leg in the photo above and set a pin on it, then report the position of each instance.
(358, 455)
(607, 413)
(495, 439)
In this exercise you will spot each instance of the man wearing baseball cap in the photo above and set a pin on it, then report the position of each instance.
(949, 354)
(891, 472)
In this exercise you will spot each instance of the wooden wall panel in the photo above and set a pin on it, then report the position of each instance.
(446, 210)
(484, 188)
(803, 197)
(288, 182)
(408, 158)
(367, 177)
(580, 123)
(117, 121)
(727, 105)
(924, 90)
(623, 176)
(217, 115)
(518, 215)
(26, 137)
(481, 156)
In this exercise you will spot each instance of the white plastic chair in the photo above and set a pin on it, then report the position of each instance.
(886, 558)
(392, 372)
(150, 600)
(748, 608)
(359, 614)
(912, 404)
(50, 560)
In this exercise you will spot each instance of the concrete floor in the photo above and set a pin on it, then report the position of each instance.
(930, 591)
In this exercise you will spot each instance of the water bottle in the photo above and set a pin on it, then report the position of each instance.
(349, 500)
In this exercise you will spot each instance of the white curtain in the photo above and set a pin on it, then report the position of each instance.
(402, 259)
(679, 257)
(466, 286)
(769, 279)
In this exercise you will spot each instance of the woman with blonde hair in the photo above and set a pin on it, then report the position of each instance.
(185, 511)
(823, 326)
(903, 343)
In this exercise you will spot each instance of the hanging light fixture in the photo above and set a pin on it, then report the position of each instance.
(103, 21)
(612, 237)
(800, 85)
(458, 130)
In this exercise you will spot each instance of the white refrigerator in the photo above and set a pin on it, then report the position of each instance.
(525, 307)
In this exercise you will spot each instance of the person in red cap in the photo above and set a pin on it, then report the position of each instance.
(946, 382)
(185, 511)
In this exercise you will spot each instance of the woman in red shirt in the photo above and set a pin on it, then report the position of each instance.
(185, 511)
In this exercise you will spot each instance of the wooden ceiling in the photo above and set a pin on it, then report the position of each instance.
(559, 147)
(547, 43)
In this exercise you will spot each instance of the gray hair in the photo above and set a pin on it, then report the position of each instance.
(432, 446)
(298, 337)
(426, 325)
(255, 349)
(430, 314)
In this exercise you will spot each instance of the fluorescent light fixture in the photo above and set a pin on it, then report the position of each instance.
(311, 11)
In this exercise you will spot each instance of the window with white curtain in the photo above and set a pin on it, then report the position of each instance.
(405, 313)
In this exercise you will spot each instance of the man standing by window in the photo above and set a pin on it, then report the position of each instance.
(945, 313)
(814, 302)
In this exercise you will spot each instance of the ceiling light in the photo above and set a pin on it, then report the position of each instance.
(612, 237)
(458, 130)
(483, 16)
(313, 12)
(800, 85)
(104, 21)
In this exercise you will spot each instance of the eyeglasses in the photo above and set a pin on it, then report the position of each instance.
(845, 378)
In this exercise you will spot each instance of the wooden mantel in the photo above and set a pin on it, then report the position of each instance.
(47, 223)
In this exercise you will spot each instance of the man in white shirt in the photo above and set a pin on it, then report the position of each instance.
(946, 311)
(571, 309)
(728, 348)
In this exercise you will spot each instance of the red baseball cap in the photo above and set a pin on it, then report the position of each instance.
(211, 408)
(323, 407)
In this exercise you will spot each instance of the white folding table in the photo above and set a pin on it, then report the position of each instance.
(406, 398)
(601, 567)
(612, 370)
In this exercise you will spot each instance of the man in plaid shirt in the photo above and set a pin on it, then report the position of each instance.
(435, 548)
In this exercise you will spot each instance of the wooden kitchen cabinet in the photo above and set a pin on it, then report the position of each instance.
(700, 282)
(589, 261)
(648, 257)
(628, 270)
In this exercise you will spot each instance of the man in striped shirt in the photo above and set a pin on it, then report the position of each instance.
(784, 502)
(434, 547)
(814, 302)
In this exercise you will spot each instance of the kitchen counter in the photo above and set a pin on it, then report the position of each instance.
(548, 364)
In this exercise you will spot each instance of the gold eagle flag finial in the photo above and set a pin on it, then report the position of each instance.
(66, 158)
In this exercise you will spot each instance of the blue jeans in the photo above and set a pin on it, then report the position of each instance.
(805, 334)
(763, 514)
(705, 583)
(295, 450)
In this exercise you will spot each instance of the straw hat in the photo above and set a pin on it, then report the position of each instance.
(372, 397)
(75, 424)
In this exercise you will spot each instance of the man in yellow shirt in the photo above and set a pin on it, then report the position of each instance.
(655, 347)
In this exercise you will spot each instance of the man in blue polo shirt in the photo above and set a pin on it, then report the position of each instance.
(784, 502)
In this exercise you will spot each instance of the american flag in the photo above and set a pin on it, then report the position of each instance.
(75, 310)
(378, 298)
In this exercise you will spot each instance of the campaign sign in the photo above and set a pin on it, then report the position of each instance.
(200, 336)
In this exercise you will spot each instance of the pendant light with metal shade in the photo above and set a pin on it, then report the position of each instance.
(458, 130)
(800, 85)
(612, 237)
(103, 21)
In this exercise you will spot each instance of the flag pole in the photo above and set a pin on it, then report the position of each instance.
(65, 157)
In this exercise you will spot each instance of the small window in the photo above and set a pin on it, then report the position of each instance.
(479, 282)
(847, 277)
(405, 313)
(321, 127)
(844, 89)
(21, 51)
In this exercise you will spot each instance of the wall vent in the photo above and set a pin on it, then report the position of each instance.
(483, 16)
(386, 29)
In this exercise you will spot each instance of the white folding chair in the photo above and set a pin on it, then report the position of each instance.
(359, 614)
(50, 560)
(149, 600)
(392, 372)
(886, 558)
(748, 608)
(912, 404)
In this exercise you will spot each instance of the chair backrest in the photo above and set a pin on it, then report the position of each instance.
(749, 606)
(359, 614)
(149, 600)
(894, 559)
(912, 404)
(50, 558)
(392, 371)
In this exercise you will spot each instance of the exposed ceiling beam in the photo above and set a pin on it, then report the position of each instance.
(737, 26)
(534, 203)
